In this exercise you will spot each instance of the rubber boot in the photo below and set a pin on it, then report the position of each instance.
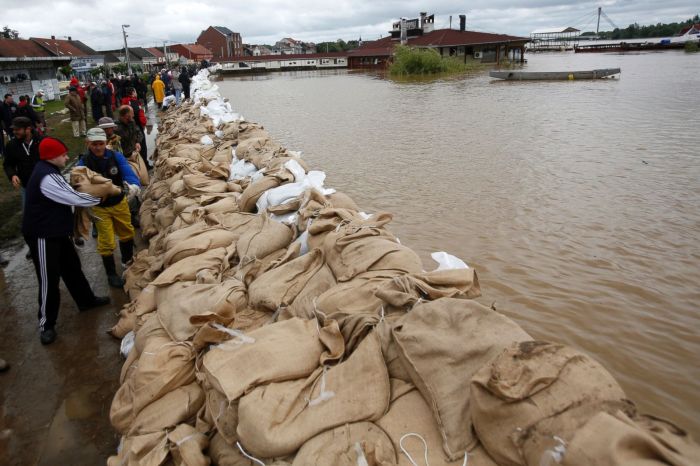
(127, 250)
(113, 279)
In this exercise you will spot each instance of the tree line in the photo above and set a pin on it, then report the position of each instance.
(635, 31)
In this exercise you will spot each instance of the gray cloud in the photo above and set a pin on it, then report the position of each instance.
(98, 24)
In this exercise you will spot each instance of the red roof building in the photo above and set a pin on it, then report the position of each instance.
(223, 42)
(61, 47)
(192, 52)
(463, 44)
(160, 56)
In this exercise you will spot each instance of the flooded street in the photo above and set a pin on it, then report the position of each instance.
(577, 202)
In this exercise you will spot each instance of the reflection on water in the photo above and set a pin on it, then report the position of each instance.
(577, 202)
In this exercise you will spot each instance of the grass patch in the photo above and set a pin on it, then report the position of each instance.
(410, 61)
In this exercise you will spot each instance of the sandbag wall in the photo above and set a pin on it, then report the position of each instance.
(273, 322)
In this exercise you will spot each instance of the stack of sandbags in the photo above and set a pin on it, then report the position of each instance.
(273, 322)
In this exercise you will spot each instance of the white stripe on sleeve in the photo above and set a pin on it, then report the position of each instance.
(55, 188)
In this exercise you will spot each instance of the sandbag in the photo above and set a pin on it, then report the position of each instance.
(303, 304)
(281, 285)
(404, 291)
(161, 368)
(187, 446)
(276, 419)
(282, 351)
(356, 296)
(212, 263)
(536, 390)
(189, 307)
(139, 167)
(225, 454)
(614, 439)
(410, 414)
(141, 450)
(175, 407)
(199, 242)
(466, 334)
(202, 184)
(250, 195)
(348, 445)
(263, 238)
(89, 182)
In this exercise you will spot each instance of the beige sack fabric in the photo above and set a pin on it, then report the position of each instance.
(277, 419)
(175, 407)
(142, 450)
(87, 181)
(262, 239)
(537, 390)
(466, 334)
(409, 417)
(281, 285)
(183, 311)
(187, 446)
(616, 440)
(278, 352)
(348, 445)
(139, 166)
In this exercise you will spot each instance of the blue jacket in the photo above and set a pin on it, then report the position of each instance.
(104, 166)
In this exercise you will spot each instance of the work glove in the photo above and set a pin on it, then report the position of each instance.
(131, 191)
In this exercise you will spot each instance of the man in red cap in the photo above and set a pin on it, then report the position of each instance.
(47, 227)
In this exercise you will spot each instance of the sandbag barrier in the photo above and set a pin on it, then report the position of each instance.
(273, 322)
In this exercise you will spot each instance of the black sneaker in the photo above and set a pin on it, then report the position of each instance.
(28, 255)
(97, 302)
(47, 336)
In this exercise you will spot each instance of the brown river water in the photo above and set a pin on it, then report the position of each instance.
(578, 203)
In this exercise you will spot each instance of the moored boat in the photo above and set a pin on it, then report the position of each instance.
(554, 75)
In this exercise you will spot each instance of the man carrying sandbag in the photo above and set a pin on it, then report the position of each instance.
(112, 214)
(47, 227)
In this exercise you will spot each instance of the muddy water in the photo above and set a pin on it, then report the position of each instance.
(577, 202)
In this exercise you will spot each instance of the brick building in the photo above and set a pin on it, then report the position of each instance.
(223, 42)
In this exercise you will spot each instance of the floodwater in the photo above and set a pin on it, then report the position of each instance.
(578, 203)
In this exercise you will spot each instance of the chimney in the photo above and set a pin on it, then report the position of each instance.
(450, 21)
(53, 37)
(462, 22)
(70, 38)
(423, 14)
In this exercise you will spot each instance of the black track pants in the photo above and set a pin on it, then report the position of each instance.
(56, 258)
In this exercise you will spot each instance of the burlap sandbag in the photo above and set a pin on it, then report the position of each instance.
(177, 187)
(186, 309)
(348, 445)
(404, 291)
(223, 413)
(139, 167)
(144, 303)
(276, 419)
(466, 334)
(303, 305)
(410, 414)
(141, 450)
(237, 222)
(87, 181)
(264, 238)
(175, 407)
(198, 243)
(224, 454)
(282, 351)
(250, 195)
(182, 202)
(215, 170)
(202, 184)
(161, 368)
(281, 285)
(139, 274)
(212, 263)
(223, 205)
(356, 296)
(164, 216)
(353, 250)
(187, 446)
(616, 440)
(535, 390)
(249, 269)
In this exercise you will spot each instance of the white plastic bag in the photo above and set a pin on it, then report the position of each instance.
(127, 344)
(447, 261)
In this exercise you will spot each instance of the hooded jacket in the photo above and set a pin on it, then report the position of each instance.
(158, 90)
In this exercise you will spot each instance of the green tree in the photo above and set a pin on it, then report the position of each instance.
(8, 33)
(66, 70)
(97, 71)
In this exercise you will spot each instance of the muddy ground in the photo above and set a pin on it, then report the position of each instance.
(55, 399)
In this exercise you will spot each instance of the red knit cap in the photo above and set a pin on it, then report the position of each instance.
(50, 148)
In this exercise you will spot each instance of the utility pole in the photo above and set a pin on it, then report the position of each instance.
(126, 49)
(165, 52)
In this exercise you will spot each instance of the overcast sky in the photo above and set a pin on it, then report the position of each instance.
(98, 23)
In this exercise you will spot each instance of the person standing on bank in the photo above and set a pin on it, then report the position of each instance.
(113, 215)
(158, 91)
(47, 227)
(21, 153)
(40, 109)
(77, 112)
